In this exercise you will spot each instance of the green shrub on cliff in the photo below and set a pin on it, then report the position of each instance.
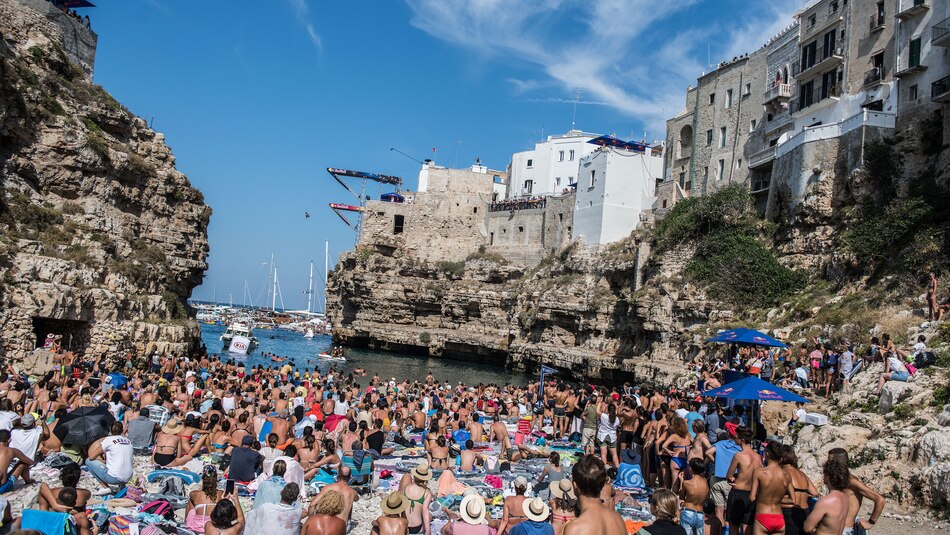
(731, 258)
(455, 269)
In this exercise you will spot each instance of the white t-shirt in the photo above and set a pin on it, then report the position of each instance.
(800, 416)
(919, 348)
(340, 408)
(895, 365)
(6, 419)
(227, 403)
(26, 440)
(607, 429)
(681, 412)
(118, 457)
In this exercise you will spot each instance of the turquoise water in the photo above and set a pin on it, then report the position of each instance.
(302, 354)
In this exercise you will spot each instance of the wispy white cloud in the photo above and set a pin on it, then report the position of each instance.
(302, 12)
(604, 48)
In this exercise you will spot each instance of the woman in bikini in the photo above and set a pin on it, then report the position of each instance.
(202, 501)
(227, 517)
(677, 446)
(413, 485)
(439, 454)
(795, 508)
(169, 450)
(514, 506)
(771, 485)
(329, 461)
(221, 439)
(563, 505)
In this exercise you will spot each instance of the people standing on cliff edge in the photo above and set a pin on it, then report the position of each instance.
(932, 308)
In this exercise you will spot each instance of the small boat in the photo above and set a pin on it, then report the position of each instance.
(330, 358)
(242, 329)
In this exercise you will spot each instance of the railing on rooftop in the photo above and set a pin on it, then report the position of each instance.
(517, 204)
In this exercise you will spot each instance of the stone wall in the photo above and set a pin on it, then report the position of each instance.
(524, 237)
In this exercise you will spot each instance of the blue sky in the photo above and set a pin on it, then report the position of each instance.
(256, 99)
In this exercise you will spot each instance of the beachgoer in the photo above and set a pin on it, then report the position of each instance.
(830, 513)
(771, 485)
(324, 517)
(589, 476)
(694, 491)
(739, 507)
(856, 492)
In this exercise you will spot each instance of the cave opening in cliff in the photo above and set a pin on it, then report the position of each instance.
(75, 333)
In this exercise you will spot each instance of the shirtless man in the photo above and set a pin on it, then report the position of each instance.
(280, 425)
(499, 432)
(342, 487)
(856, 492)
(694, 492)
(469, 457)
(739, 508)
(560, 410)
(392, 521)
(69, 477)
(589, 476)
(831, 512)
(10, 457)
(325, 514)
(475, 428)
(66, 502)
(770, 485)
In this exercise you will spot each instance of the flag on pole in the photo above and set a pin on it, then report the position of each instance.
(545, 370)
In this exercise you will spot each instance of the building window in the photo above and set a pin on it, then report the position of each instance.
(520, 229)
(712, 99)
(709, 137)
(560, 155)
(475, 210)
(912, 92)
(706, 173)
(571, 155)
(528, 186)
(833, 8)
(593, 177)
(914, 59)
(722, 136)
(812, 21)
(721, 169)
(399, 222)
(570, 181)
(491, 238)
(728, 98)
(748, 89)
(557, 181)
(530, 163)
(752, 125)
(739, 163)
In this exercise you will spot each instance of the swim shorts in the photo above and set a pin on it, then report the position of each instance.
(560, 412)
(8, 485)
(739, 507)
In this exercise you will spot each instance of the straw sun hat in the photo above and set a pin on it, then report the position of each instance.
(536, 510)
(394, 504)
(472, 509)
(422, 472)
(173, 427)
(563, 488)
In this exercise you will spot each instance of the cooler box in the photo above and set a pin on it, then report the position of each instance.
(813, 418)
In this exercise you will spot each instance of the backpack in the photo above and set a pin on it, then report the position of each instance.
(924, 359)
(159, 507)
(120, 524)
(172, 486)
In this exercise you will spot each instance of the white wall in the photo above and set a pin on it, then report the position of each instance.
(624, 188)
(547, 166)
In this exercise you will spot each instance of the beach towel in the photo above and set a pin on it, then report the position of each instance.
(190, 478)
(47, 522)
(265, 430)
(629, 476)
(449, 485)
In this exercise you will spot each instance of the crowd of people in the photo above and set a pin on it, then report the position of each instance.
(523, 203)
(84, 20)
(305, 446)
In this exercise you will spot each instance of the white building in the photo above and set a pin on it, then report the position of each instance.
(614, 188)
(550, 167)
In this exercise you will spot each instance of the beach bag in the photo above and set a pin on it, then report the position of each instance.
(120, 524)
(924, 359)
(630, 476)
(172, 486)
(911, 369)
(159, 507)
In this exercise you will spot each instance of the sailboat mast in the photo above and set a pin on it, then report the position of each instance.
(326, 270)
(310, 288)
(273, 302)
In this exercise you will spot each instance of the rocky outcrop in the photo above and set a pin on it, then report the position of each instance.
(590, 314)
(102, 238)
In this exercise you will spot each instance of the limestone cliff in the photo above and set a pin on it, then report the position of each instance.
(101, 239)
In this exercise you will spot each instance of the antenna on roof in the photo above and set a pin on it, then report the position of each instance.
(577, 96)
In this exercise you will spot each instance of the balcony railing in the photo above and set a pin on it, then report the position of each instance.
(874, 76)
(776, 92)
(940, 90)
(877, 22)
(822, 54)
(817, 95)
(762, 157)
(909, 8)
(941, 35)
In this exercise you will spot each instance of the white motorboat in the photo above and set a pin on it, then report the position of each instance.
(330, 358)
(241, 329)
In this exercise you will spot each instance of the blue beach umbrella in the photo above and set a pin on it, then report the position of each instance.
(744, 336)
(753, 388)
(118, 380)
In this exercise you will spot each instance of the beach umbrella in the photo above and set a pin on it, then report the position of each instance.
(750, 337)
(755, 389)
(84, 426)
(118, 380)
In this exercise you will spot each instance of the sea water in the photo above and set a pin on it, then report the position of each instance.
(301, 352)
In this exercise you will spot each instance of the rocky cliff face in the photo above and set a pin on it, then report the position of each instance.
(611, 316)
(102, 238)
